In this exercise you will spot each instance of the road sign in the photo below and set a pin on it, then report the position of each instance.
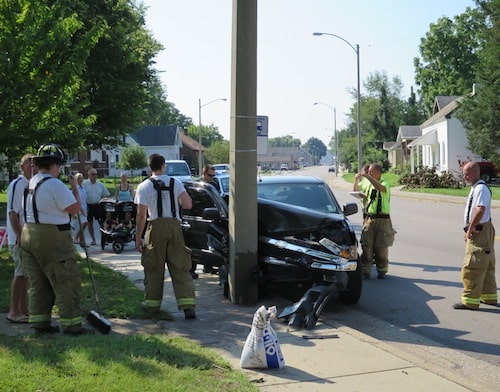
(262, 134)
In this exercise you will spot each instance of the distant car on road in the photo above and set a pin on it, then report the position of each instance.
(331, 169)
(180, 169)
(284, 166)
(221, 168)
(488, 171)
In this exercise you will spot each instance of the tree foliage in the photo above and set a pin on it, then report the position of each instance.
(315, 147)
(284, 141)
(218, 152)
(448, 56)
(479, 112)
(133, 158)
(72, 72)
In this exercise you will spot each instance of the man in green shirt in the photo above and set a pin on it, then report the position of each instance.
(377, 233)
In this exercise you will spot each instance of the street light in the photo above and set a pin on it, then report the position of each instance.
(356, 50)
(200, 153)
(334, 133)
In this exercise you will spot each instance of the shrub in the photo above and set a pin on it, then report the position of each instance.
(427, 177)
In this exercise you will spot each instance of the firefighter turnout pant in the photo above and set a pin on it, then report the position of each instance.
(377, 236)
(48, 257)
(164, 243)
(478, 270)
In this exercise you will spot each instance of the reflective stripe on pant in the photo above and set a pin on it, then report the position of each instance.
(376, 237)
(478, 270)
(164, 243)
(48, 257)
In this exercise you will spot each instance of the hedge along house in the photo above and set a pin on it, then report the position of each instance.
(443, 144)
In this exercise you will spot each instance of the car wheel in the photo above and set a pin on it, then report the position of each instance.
(118, 246)
(354, 287)
(486, 177)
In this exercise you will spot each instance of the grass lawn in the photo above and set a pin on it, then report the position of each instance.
(109, 362)
(393, 181)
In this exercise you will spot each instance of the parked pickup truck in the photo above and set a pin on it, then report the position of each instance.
(488, 170)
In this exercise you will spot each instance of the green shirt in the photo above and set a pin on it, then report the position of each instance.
(383, 200)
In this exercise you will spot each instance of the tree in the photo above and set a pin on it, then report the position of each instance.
(448, 56)
(72, 72)
(315, 147)
(218, 152)
(479, 112)
(284, 141)
(133, 158)
(209, 134)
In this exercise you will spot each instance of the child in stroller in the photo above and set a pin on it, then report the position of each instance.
(117, 223)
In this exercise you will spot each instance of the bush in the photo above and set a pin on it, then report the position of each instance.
(427, 177)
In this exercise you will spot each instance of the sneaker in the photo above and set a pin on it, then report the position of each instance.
(78, 332)
(189, 314)
(47, 330)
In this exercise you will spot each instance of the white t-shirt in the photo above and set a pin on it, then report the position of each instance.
(481, 196)
(15, 196)
(147, 195)
(52, 197)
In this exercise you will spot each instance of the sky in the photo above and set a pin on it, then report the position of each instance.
(294, 68)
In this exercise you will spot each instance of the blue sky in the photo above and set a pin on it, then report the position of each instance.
(294, 68)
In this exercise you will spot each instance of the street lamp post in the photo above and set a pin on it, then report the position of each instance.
(200, 152)
(334, 110)
(356, 50)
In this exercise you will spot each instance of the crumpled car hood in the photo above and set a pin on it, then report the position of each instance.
(280, 220)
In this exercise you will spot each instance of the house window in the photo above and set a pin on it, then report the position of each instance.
(72, 156)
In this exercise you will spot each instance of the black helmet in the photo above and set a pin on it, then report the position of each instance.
(51, 151)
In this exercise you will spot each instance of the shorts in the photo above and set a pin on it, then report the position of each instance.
(93, 212)
(16, 256)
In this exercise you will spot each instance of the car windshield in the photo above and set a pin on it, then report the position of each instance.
(313, 196)
(177, 169)
(224, 184)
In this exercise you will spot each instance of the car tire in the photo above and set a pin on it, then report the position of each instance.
(354, 287)
(486, 177)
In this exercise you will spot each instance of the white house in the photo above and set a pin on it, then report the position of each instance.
(443, 144)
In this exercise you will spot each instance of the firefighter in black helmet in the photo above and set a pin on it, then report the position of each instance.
(47, 247)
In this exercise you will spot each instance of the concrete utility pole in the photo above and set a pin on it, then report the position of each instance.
(243, 155)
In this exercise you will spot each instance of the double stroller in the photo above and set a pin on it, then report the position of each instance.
(117, 223)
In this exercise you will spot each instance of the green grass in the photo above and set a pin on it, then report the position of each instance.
(394, 178)
(109, 362)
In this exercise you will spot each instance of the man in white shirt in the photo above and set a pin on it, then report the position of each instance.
(95, 191)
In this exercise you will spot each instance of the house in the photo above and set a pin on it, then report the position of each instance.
(398, 153)
(443, 143)
(167, 140)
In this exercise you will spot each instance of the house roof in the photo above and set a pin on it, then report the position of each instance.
(408, 132)
(190, 143)
(391, 145)
(441, 101)
(156, 135)
(444, 112)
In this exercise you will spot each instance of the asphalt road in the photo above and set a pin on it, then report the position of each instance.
(412, 307)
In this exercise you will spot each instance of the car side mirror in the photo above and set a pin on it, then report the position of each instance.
(211, 214)
(350, 209)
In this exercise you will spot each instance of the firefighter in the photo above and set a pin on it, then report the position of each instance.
(478, 269)
(159, 199)
(48, 253)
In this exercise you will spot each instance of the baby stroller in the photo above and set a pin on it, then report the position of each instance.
(117, 223)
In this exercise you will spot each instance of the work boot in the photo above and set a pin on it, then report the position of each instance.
(78, 332)
(189, 314)
(146, 308)
(50, 330)
(381, 275)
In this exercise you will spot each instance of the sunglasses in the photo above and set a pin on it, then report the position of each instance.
(211, 175)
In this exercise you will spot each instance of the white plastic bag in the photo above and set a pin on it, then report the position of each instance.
(262, 349)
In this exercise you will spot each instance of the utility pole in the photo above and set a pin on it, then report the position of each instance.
(243, 236)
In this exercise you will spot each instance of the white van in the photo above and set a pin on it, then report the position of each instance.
(180, 169)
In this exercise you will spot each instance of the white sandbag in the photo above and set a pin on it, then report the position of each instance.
(262, 349)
